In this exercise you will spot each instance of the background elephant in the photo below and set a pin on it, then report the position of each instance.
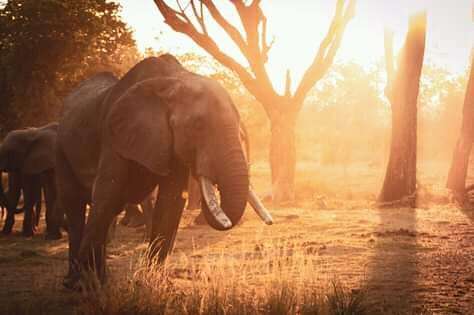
(3, 197)
(140, 214)
(6, 195)
(118, 140)
(28, 156)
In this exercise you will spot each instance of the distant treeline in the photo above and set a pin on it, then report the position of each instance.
(47, 46)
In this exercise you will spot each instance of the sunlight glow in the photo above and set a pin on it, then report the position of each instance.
(298, 28)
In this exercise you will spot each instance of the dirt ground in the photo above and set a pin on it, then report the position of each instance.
(419, 260)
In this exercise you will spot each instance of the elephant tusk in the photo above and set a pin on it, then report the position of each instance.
(259, 208)
(209, 195)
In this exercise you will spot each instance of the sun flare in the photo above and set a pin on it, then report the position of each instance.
(298, 28)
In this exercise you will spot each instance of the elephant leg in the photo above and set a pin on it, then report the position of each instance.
(13, 196)
(108, 199)
(9, 222)
(73, 199)
(38, 209)
(167, 214)
(3, 197)
(133, 216)
(54, 213)
(148, 204)
(31, 190)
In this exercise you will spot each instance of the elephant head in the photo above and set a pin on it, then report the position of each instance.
(29, 151)
(192, 119)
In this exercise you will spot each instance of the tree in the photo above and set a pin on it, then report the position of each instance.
(402, 92)
(46, 46)
(459, 165)
(282, 110)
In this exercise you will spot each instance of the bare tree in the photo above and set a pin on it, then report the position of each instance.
(459, 165)
(282, 110)
(402, 92)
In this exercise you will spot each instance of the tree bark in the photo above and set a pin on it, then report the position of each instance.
(400, 177)
(283, 157)
(460, 162)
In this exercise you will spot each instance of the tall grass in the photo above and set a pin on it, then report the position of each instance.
(272, 279)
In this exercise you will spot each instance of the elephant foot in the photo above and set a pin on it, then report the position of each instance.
(8, 227)
(51, 236)
(7, 231)
(28, 232)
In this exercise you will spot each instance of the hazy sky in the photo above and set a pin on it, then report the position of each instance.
(298, 27)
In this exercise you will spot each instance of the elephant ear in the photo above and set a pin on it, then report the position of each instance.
(137, 124)
(41, 154)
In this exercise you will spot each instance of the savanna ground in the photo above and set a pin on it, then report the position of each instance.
(332, 248)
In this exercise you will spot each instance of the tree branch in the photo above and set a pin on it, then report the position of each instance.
(251, 17)
(327, 50)
(199, 17)
(258, 83)
(172, 18)
(231, 31)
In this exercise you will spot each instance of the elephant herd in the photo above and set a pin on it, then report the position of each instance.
(144, 138)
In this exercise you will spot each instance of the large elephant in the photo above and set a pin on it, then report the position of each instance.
(118, 140)
(28, 156)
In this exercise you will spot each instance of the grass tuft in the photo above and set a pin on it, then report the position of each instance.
(275, 279)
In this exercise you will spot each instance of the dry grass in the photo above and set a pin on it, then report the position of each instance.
(272, 279)
(331, 252)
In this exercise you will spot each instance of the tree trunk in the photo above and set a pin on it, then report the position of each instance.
(283, 158)
(459, 165)
(400, 178)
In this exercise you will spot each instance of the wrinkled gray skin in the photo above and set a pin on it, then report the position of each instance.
(118, 140)
(28, 156)
(194, 191)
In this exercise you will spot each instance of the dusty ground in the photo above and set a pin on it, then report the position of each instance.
(415, 260)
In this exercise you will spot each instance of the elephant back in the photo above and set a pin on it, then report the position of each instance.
(30, 150)
(41, 156)
(164, 65)
(88, 91)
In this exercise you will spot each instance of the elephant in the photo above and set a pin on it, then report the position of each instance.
(28, 156)
(119, 139)
(36, 201)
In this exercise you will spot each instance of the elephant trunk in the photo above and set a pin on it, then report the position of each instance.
(232, 182)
